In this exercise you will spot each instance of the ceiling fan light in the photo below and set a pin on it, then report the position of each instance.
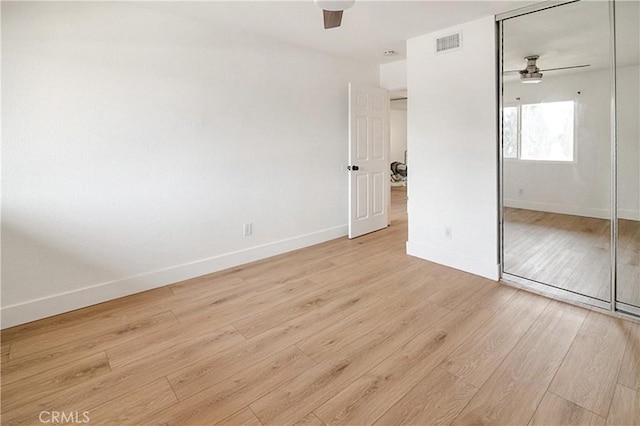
(534, 77)
(334, 5)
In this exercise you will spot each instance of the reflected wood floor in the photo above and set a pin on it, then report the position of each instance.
(345, 332)
(572, 252)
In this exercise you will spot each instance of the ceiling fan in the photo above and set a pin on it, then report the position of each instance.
(332, 11)
(532, 74)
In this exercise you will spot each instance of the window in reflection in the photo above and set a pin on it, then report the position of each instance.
(539, 132)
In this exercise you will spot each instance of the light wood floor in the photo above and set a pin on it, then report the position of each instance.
(573, 253)
(346, 332)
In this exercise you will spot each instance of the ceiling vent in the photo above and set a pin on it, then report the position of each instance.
(449, 43)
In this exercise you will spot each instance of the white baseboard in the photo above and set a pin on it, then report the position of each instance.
(628, 214)
(482, 268)
(32, 310)
(572, 210)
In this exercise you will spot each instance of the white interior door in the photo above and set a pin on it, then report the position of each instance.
(369, 186)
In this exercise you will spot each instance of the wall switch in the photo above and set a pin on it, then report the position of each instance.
(247, 229)
(448, 232)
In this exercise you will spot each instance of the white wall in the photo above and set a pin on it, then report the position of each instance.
(453, 150)
(398, 127)
(136, 145)
(628, 107)
(393, 75)
(628, 115)
(582, 187)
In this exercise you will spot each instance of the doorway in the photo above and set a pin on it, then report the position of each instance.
(399, 172)
(570, 162)
(398, 138)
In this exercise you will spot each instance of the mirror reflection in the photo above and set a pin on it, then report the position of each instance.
(628, 173)
(557, 148)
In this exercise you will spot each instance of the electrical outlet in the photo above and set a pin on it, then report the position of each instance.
(448, 232)
(521, 192)
(247, 229)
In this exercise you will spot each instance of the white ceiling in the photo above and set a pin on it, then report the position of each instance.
(573, 34)
(368, 28)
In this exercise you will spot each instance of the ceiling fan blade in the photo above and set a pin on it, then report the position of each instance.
(549, 69)
(566, 68)
(332, 18)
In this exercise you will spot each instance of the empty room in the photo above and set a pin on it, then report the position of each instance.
(315, 212)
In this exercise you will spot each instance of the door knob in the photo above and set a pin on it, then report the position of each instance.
(353, 168)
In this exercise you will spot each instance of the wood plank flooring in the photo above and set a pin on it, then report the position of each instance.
(346, 332)
(572, 253)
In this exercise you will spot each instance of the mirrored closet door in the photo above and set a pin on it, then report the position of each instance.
(627, 24)
(562, 166)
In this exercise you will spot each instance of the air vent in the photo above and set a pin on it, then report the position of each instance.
(449, 43)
